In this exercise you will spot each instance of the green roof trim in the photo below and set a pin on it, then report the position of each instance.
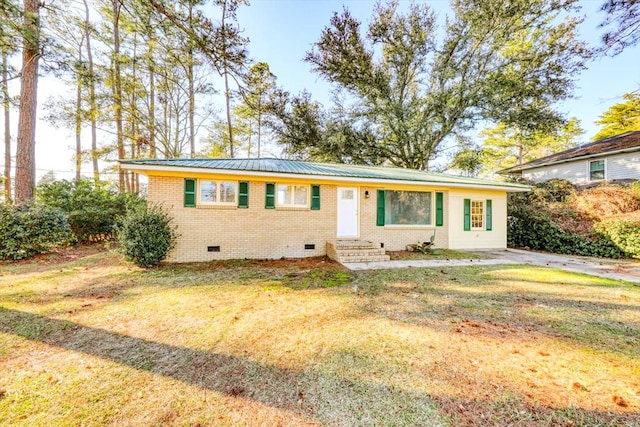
(297, 167)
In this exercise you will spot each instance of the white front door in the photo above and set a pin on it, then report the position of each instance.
(347, 212)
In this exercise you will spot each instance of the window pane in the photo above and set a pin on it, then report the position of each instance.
(596, 169)
(300, 198)
(227, 192)
(284, 194)
(293, 195)
(407, 207)
(477, 214)
(208, 191)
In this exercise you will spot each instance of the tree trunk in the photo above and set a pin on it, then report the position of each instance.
(26, 143)
(117, 89)
(78, 119)
(152, 104)
(7, 127)
(93, 109)
(259, 124)
(192, 95)
(225, 71)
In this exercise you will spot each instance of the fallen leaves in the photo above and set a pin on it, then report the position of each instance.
(619, 400)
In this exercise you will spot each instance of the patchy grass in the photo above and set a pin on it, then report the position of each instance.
(443, 254)
(90, 340)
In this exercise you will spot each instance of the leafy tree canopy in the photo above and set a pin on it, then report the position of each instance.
(620, 118)
(505, 146)
(502, 61)
(622, 23)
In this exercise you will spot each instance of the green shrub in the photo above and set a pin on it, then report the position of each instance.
(557, 190)
(624, 232)
(146, 236)
(92, 209)
(530, 225)
(30, 229)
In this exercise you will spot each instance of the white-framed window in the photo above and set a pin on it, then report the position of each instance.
(292, 196)
(408, 207)
(477, 214)
(218, 192)
(596, 170)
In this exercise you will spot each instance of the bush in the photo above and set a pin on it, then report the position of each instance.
(606, 201)
(539, 233)
(624, 231)
(92, 209)
(536, 220)
(146, 236)
(557, 190)
(30, 229)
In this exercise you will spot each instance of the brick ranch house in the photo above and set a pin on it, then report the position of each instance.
(272, 208)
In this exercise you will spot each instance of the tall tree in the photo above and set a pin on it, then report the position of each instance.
(620, 118)
(500, 60)
(256, 99)
(624, 17)
(231, 50)
(505, 146)
(117, 87)
(26, 142)
(9, 41)
(92, 78)
(6, 105)
(222, 44)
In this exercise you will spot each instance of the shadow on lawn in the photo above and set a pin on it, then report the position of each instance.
(317, 395)
(508, 314)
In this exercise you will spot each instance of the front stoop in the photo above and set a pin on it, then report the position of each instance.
(355, 251)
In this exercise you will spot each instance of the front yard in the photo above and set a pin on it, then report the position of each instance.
(86, 339)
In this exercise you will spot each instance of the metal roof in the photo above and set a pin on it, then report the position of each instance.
(297, 167)
(629, 141)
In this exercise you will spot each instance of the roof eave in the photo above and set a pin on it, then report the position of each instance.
(572, 159)
(143, 169)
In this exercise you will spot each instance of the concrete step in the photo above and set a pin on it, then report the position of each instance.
(344, 245)
(366, 258)
(355, 251)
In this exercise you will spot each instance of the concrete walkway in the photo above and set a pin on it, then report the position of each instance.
(607, 268)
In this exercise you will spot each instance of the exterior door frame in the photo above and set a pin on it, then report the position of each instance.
(355, 216)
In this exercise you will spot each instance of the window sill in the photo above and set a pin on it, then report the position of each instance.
(292, 208)
(409, 227)
(228, 207)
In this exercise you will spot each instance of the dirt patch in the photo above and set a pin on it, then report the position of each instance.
(60, 255)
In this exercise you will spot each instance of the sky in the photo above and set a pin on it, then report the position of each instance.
(282, 31)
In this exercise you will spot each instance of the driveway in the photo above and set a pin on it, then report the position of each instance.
(628, 270)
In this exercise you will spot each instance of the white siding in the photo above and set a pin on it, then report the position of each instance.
(620, 166)
(477, 239)
(576, 172)
(623, 166)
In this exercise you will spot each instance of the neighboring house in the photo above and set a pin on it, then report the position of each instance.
(272, 208)
(609, 159)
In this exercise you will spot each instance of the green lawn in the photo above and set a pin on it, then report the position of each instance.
(86, 339)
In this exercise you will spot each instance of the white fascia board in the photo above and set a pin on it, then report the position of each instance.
(146, 168)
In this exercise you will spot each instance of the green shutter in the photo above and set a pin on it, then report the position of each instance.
(489, 215)
(270, 196)
(467, 214)
(315, 197)
(189, 193)
(380, 209)
(243, 194)
(439, 210)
